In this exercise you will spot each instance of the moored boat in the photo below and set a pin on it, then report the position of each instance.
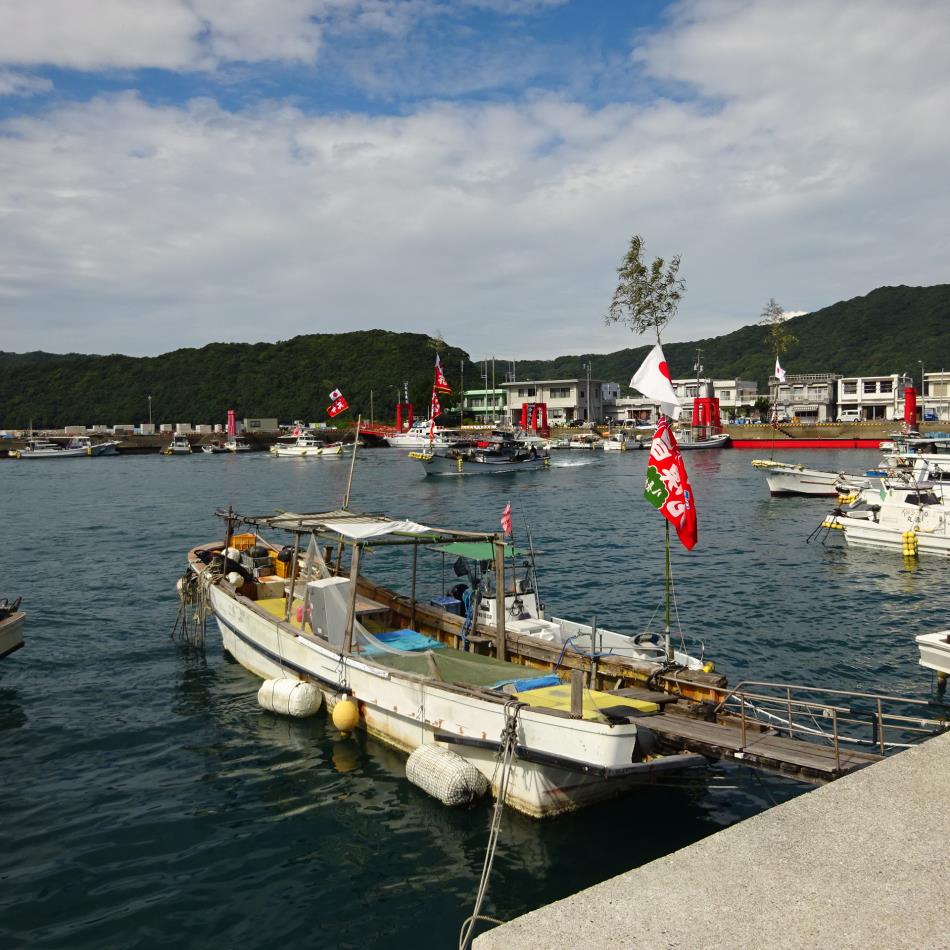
(307, 445)
(237, 443)
(790, 478)
(179, 445)
(11, 627)
(214, 448)
(47, 449)
(499, 453)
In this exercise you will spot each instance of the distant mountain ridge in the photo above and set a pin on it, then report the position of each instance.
(887, 331)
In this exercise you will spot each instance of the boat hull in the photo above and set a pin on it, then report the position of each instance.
(11, 634)
(935, 651)
(310, 452)
(582, 761)
(437, 464)
(862, 532)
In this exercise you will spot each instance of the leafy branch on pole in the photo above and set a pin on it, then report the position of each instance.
(646, 297)
(778, 337)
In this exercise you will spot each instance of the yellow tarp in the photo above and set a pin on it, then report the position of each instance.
(559, 697)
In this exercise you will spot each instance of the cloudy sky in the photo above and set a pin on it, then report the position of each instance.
(174, 172)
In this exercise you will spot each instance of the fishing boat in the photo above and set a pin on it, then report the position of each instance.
(935, 655)
(902, 515)
(421, 434)
(11, 627)
(615, 442)
(499, 453)
(104, 447)
(688, 439)
(237, 443)
(790, 478)
(585, 442)
(214, 448)
(47, 449)
(179, 445)
(378, 657)
(307, 445)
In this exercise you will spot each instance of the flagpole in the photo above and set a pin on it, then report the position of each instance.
(669, 652)
(349, 480)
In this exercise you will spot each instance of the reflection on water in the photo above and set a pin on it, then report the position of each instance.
(148, 800)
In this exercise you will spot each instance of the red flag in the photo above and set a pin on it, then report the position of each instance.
(439, 384)
(506, 519)
(339, 404)
(435, 407)
(667, 485)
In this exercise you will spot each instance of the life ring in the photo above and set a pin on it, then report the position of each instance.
(642, 638)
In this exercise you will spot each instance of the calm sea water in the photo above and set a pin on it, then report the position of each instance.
(146, 800)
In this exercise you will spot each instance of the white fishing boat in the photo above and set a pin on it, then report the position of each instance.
(690, 439)
(791, 478)
(417, 436)
(497, 454)
(95, 449)
(237, 443)
(214, 448)
(307, 445)
(615, 442)
(935, 655)
(902, 515)
(11, 627)
(179, 445)
(568, 746)
(585, 442)
(47, 449)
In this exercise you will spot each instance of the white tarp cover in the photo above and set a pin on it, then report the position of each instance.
(360, 530)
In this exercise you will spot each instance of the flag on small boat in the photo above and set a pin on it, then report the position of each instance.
(339, 404)
(779, 372)
(667, 485)
(506, 525)
(440, 384)
(654, 381)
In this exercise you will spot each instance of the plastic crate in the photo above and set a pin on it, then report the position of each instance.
(282, 569)
(243, 541)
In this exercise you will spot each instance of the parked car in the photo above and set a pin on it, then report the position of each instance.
(850, 415)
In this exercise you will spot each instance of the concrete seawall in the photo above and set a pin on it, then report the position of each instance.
(861, 863)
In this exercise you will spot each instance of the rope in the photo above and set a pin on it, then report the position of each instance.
(503, 763)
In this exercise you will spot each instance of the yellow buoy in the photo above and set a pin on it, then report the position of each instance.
(709, 667)
(909, 543)
(346, 715)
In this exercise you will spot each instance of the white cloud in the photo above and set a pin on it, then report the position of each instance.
(19, 84)
(132, 227)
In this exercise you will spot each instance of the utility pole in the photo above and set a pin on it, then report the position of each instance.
(461, 393)
(371, 407)
(494, 405)
(588, 392)
(149, 410)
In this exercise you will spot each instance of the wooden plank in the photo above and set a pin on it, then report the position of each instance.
(647, 695)
(724, 738)
(807, 754)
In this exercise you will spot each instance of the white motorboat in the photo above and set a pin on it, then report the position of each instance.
(498, 454)
(615, 442)
(106, 447)
(585, 442)
(46, 449)
(410, 689)
(307, 445)
(690, 439)
(11, 627)
(417, 436)
(790, 478)
(237, 443)
(214, 448)
(179, 445)
(902, 515)
(935, 655)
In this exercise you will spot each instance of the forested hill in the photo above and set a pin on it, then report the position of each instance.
(887, 331)
(289, 380)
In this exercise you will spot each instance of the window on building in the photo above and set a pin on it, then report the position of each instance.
(870, 386)
(887, 385)
(850, 389)
(726, 394)
(692, 392)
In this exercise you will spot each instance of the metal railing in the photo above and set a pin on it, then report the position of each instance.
(779, 708)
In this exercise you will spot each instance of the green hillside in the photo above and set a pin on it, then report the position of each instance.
(887, 331)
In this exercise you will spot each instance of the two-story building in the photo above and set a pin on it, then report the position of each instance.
(873, 397)
(485, 406)
(807, 397)
(736, 398)
(568, 400)
(934, 401)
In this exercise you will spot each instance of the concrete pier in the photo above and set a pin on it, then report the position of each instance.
(863, 862)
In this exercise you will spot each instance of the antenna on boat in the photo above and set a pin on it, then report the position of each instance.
(349, 480)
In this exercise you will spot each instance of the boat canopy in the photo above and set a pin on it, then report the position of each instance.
(477, 550)
(357, 527)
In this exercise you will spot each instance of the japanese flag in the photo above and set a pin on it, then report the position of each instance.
(506, 525)
(667, 485)
(335, 395)
(779, 372)
(654, 381)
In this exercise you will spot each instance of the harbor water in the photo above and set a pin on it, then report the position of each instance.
(147, 801)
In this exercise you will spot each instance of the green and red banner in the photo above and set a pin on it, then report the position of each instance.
(667, 484)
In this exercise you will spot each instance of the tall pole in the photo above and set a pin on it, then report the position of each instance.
(349, 480)
(494, 414)
(923, 391)
(588, 391)
(149, 410)
(666, 638)
(371, 420)
(461, 393)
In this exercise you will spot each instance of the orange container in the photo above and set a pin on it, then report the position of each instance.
(244, 541)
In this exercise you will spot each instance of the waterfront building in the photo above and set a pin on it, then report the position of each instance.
(183, 428)
(807, 397)
(872, 397)
(568, 400)
(935, 397)
(736, 398)
(261, 425)
(485, 406)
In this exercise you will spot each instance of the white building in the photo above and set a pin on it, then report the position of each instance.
(568, 400)
(736, 398)
(874, 397)
(261, 425)
(934, 401)
(806, 397)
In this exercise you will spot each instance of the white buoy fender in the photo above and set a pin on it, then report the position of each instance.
(445, 775)
(288, 697)
(235, 579)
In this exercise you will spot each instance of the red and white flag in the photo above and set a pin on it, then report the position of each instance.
(506, 525)
(435, 407)
(779, 372)
(667, 485)
(339, 404)
(654, 381)
(439, 383)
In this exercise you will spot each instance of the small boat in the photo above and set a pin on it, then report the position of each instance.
(935, 655)
(690, 439)
(585, 442)
(306, 445)
(46, 449)
(11, 627)
(237, 443)
(417, 436)
(95, 449)
(179, 445)
(615, 442)
(214, 448)
(498, 454)
(790, 478)
(379, 663)
(903, 515)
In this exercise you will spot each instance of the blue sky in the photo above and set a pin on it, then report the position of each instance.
(174, 172)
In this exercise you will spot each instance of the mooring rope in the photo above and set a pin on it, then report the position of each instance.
(503, 763)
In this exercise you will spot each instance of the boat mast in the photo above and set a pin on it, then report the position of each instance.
(349, 480)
